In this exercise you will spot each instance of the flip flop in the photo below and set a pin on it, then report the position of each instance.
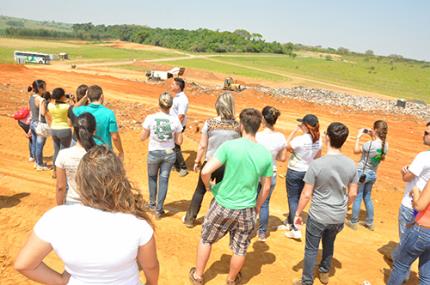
(194, 281)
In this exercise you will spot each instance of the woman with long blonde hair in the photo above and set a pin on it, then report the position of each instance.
(103, 240)
(215, 132)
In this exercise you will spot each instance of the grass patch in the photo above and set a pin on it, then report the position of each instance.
(81, 51)
(397, 79)
(228, 69)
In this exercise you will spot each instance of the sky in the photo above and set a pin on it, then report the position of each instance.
(384, 26)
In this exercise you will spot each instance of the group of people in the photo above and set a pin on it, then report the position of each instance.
(104, 235)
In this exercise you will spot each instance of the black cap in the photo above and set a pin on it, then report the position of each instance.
(309, 119)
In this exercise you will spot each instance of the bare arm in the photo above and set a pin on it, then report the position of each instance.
(290, 138)
(179, 138)
(144, 135)
(282, 155)
(181, 117)
(407, 176)
(357, 147)
(30, 263)
(352, 193)
(117, 142)
(148, 262)
(305, 197)
(48, 117)
(81, 102)
(265, 189)
(61, 186)
(421, 199)
(212, 165)
(201, 151)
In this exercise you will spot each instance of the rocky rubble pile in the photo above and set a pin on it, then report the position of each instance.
(361, 103)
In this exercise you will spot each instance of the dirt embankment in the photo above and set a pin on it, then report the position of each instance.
(26, 194)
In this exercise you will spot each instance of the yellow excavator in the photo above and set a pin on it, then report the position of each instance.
(230, 85)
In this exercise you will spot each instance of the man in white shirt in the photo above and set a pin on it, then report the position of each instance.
(416, 175)
(179, 109)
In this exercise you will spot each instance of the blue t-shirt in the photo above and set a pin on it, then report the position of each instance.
(105, 120)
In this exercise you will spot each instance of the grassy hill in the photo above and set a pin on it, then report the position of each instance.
(13, 22)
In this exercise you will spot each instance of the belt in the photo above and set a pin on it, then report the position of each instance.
(424, 227)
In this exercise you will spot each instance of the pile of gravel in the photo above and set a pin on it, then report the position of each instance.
(361, 103)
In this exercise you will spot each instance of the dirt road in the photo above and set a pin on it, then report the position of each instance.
(26, 194)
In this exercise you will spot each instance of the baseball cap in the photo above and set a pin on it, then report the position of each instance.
(309, 119)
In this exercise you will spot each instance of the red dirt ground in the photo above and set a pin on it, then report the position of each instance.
(26, 194)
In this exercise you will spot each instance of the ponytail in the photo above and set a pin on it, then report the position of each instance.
(36, 85)
(381, 130)
(314, 132)
(85, 126)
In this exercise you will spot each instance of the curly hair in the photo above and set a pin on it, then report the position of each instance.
(102, 184)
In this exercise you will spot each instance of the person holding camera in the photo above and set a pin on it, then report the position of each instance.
(372, 153)
(57, 119)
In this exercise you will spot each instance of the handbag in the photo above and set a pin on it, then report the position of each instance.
(21, 114)
(42, 129)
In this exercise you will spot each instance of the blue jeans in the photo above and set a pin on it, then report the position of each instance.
(364, 192)
(316, 231)
(295, 184)
(62, 139)
(416, 244)
(160, 163)
(406, 217)
(38, 142)
(264, 211)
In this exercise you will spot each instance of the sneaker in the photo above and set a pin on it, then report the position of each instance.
(285, 227)
(353, 226)
(187, 224)
(183, 172)
(370, 227)
(323, 276)
(294, 234)
(30, 159)
(195, 280)
(262, 237)
(42, 168)
(159, 215)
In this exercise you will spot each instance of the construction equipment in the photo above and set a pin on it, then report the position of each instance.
(157, 75)
(231, 85)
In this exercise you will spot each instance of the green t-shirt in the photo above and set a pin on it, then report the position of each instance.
(245, 162)
(105, 122)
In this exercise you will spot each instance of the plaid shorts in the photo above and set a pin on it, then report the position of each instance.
(239, 223)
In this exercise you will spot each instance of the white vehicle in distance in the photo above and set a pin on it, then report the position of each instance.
(31, 57)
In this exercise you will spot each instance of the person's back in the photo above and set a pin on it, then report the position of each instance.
(332, 174)
(58, 114)
(245, 162)
(219, 131)
(68, 159)
(105, 119)
(97, 247)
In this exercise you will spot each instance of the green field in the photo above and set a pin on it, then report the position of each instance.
(404, 79)
(80, 52)
(208, 65)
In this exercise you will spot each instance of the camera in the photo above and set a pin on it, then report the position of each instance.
(362, 178)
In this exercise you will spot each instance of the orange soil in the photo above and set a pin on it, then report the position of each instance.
(26, 194)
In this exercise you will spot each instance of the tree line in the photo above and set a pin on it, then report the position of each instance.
(200, 40)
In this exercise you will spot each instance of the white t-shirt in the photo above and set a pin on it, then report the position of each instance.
(420, 167)
(304, 152)
(68, 159)
(162, 128)
(273, 141)
(180, 106)
(97, 247)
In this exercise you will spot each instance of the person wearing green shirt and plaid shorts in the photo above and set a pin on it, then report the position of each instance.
(236, 201)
